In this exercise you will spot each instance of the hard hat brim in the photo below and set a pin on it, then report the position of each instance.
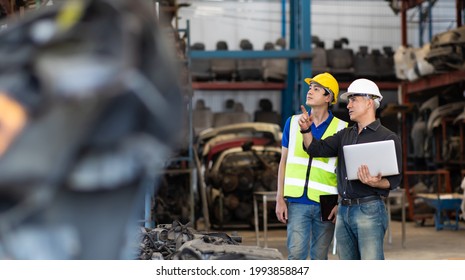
(345, 95)
(310, 80)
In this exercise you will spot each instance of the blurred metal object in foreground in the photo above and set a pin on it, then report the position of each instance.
(89, 107)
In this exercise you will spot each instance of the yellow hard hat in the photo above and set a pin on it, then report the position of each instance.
(328, 82)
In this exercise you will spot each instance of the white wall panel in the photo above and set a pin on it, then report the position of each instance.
(364, 22)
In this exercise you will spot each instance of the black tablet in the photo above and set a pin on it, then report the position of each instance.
(327, 203)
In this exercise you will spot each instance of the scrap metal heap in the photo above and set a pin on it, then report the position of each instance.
(181, 242)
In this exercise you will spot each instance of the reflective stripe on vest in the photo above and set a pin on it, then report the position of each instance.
(323, 170)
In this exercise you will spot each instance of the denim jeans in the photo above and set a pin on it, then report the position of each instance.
(360, 231)
(307, 233)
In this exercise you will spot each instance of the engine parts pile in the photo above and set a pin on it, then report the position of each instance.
(180, 242)
(238, 160)
(445, 52)
(232, 162)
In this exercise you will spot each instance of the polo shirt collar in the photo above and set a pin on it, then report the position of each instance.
(330, 117)
(373, 126)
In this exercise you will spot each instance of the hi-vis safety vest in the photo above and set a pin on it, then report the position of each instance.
(322, 179)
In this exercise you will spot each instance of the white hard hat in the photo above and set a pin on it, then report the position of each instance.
(362, 86)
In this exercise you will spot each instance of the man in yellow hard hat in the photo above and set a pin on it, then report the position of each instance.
(302, 179)
(361, 215)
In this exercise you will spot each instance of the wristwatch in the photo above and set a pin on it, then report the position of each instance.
(308, 130)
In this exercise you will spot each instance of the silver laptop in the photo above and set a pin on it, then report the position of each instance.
(378, 156)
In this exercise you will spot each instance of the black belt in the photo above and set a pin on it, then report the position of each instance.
(357, 201)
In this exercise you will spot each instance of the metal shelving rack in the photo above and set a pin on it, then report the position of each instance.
(299, 57)
(429, 84)
(190, 169)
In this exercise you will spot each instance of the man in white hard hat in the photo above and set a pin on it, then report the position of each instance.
(302, 179)
(362, 218)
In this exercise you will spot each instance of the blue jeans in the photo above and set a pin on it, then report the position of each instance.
(360, 231)
(306, 232)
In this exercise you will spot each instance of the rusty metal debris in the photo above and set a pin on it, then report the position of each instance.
(181, 242)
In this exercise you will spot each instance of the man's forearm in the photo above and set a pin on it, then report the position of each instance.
(308, 138)
(383, 184)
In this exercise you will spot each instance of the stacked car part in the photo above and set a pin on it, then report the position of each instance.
(238, 160)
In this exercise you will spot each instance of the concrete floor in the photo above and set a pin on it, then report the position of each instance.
(422, 242)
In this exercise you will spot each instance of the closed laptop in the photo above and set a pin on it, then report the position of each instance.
(380, 157)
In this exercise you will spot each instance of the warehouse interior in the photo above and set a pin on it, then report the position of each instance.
(408, 30)
(185, 166)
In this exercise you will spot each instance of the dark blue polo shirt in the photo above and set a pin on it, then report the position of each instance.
(332, 146)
